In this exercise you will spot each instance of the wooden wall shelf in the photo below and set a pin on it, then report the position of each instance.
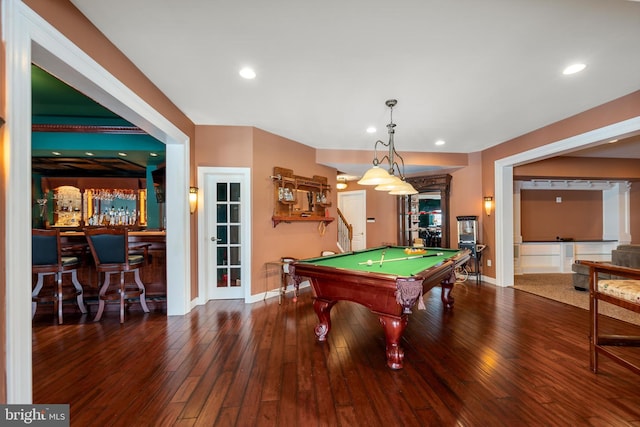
(300, 198)
(278, 219)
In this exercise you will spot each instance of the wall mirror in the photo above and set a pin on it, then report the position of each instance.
(304, 201)
(428, 223)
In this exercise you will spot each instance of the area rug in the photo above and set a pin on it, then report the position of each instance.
(559, 287)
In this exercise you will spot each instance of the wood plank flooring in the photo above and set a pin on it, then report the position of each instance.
(502, 357)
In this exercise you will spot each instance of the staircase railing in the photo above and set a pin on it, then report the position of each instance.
(345, 233)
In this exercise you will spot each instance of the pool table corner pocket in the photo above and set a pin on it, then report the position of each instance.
(409, 291)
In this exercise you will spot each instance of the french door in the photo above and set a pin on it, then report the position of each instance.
(223, 233)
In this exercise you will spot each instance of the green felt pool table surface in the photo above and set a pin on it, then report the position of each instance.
(390, 288)
(395, 262)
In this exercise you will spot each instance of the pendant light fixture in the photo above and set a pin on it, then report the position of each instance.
(391, 179)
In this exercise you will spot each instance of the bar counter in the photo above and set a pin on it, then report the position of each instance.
(154, 274)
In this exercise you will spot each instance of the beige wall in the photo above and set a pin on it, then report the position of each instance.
(578, 216)
(589, 168)
(466, 197)
(224, 146)
(259, 150)
(217, 146)
(296, 239)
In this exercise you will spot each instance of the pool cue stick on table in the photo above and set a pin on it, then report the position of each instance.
(402, 258)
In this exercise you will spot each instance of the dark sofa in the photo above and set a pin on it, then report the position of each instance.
(623, 255)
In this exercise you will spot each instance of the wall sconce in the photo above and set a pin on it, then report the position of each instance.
(488, 205)
(193, 199)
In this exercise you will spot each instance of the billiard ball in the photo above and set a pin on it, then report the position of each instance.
(369, 262)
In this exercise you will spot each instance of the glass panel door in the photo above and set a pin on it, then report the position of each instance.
(228, 273)
(224, 207)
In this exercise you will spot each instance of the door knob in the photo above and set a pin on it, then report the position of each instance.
(215, 239)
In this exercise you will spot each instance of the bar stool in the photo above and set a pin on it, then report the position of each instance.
(47, 259)
(111, 253)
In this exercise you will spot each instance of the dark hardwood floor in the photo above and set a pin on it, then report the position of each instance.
(502, 357)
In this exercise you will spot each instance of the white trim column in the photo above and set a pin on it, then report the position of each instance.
(517, 228)
(616, 213)
(504, 225)
(29, 38)
(17, 161)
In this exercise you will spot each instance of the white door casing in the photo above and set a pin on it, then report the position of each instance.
(224, 233)
(353, 205)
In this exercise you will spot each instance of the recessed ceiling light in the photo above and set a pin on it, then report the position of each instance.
(247, 73)
(371, 129)
(573, 68)
(153, 154)
(122, 154)
(440, 142)
(88, 153)
(56, 153)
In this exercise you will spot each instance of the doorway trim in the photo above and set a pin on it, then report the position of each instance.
(362, 195)
(503, 169)
(245, 224)
(29, 38)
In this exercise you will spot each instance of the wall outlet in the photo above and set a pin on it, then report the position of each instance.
(558, 199)
(488, 263)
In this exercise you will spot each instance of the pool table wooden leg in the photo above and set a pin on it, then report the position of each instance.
(393, 329)
(447, 286)
(323, 309)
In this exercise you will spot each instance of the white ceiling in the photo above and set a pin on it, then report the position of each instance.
(474, 73)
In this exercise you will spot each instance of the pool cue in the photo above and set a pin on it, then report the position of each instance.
(382, 258)
(414, 257)
(403, 258)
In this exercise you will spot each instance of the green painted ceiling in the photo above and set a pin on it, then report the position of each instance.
(54, 102)
(53, 98)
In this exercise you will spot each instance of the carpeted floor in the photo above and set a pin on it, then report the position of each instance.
(559, 287)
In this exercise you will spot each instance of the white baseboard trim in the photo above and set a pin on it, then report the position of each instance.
(262, 296)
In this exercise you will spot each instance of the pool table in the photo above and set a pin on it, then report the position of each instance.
(387, 280)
